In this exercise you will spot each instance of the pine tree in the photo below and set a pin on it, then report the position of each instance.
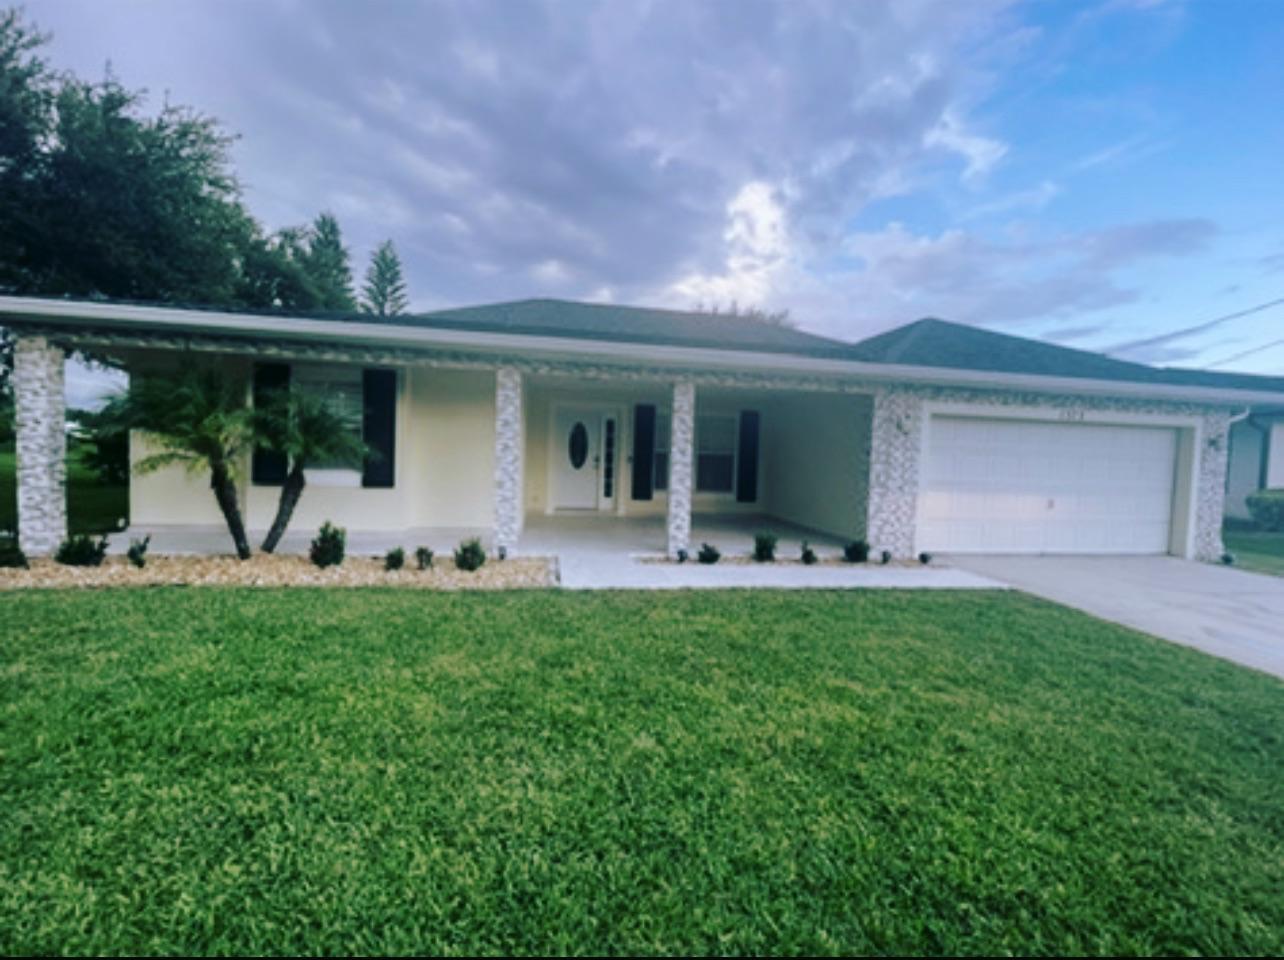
(326, 263)
(384, 292)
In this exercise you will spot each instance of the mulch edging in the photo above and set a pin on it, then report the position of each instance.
(264, 570)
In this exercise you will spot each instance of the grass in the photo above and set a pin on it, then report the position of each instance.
(92, 506)
(1255, 550)
(224, 771)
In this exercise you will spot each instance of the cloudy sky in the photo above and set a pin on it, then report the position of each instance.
(1102, 174)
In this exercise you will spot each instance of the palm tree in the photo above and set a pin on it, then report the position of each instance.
(305, 428)
(198, 417)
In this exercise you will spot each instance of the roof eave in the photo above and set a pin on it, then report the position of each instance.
(72, 314)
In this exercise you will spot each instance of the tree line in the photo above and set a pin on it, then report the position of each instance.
(100, 199)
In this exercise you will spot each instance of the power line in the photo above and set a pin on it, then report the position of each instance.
(1246, 353)
(1194, 329)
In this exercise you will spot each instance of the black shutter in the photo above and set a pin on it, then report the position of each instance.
(379, 427)
(643, 451)
(747, 461)
(268, 467)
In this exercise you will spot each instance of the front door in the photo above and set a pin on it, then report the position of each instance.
(576, 453)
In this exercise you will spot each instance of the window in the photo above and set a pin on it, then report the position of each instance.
(662, 424)
(341, 386)
(715, 454)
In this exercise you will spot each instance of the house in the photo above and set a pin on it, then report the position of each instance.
(932, 437)
(1256, 440)
(1256, 458)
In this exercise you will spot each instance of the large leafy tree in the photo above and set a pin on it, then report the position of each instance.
(115, 204)
(100, 199)
(273, 276)
(384, 292)
(195, 416)
(304, 427)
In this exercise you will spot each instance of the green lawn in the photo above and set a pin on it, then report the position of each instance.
(1255, 550)
(224, 771)
(92, 506)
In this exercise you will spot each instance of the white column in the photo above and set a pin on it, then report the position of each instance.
(681, 454)
(509, 455)
(41, 444)
(896, 432)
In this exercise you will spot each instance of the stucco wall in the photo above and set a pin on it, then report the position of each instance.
(816, 461)
(452, 425)
(444, 471)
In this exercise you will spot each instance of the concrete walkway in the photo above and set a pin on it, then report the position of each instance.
(1228, 613)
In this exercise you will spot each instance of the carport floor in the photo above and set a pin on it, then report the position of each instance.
(609, 553)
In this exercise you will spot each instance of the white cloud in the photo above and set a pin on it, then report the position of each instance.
(981, 154)
(757, 251)
(894, 275)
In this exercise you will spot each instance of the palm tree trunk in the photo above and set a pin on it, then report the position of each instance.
(291, 490)
(225, 494)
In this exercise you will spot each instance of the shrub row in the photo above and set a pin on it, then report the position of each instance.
(329, 547)
(764, 551)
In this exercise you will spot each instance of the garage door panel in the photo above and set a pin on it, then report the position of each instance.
(1016, 486)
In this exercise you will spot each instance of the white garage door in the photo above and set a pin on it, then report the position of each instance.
(1015, 486)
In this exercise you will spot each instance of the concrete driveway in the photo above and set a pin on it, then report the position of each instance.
(1231, 614)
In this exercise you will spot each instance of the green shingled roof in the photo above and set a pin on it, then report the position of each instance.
(939, 343)
(599, 321)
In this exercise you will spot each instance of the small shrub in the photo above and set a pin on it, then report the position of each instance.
(137, 551)
(856, 552)
(82, 550)
(329, 546)
(394, 559)
(709, 553)
(470, 555)
(808, 554)
(1267, 508)
(423, 558)
(925, 558)
(11, 554)
(886, 557)
(1228, 559)
(764, 547)
(683, 556)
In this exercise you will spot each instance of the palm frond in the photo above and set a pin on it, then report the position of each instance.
(304, 427)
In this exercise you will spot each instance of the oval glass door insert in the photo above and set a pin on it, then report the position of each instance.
(578, 446)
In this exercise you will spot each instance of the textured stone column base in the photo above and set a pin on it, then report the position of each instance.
(681, 455)
(1210, 489)
(896, 431)
(509, 457)
(38, 384)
